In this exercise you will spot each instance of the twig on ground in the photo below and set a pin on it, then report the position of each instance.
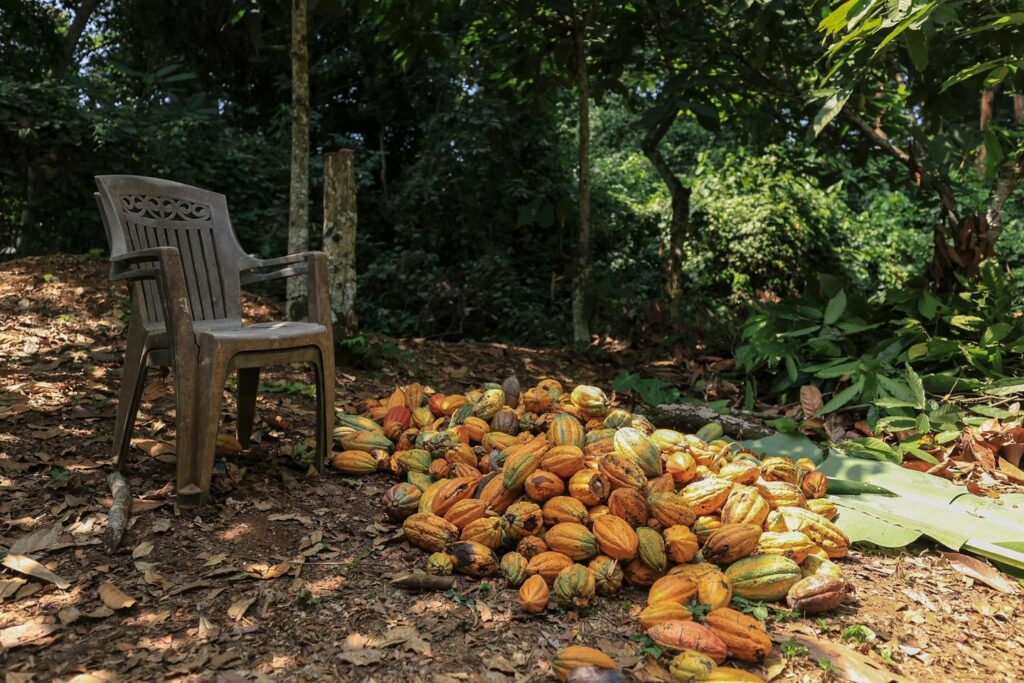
(120, 511)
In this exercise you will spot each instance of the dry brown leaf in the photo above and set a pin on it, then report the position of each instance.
(115, 598)
(142, 550)
(29, 567)
(101, 612)
(261, 570)
(40, 539)
(9, 587)
(981, 571)
(23, 634)
(810, 400)
(228, 444)
(239, 607)
(68, 615)
(855, 666)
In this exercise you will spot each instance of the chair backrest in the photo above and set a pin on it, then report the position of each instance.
(141, 213)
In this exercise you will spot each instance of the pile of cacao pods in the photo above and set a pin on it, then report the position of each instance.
(581, 497)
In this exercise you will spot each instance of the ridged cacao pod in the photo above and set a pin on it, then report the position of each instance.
(816, 594)
(440, 564)
(704, 526)
(671, 509)
(533, 595)
(667, 439)
(763, 577)
(678, 589)
(781, 494)
(542, 486)
(563, 461)
(590, 487)
(639, 574)
(505, 421)
(663, 484)
(430, 493)
(824, 507)
(451, 493)
(576, 657)
(413, 460)
(681, 466)
(792, 544)
(574, 587)
(430, 532)
(690, 665)
(564, 509)
(420, 480)
(572, 539)
(831, 538)
(745, 638)
(651, 549)
(707, 496)
(780, 469)
(472, 558)
(630, 505)
(547, 565)
(590, 400)
(622, 471)
(728, 674)
(566, 430)
(536, 400)
(466, 511)
(607, 575)
(524, 518)
(354, 462)
(491, 489)
(513, 568)
(731, 542)
(531, 546)
(365, 441)
(439, 468)
(487, 531)
(678, 636)
(714, 590)
(518, 466)
(680, 544)
(659, 612)
(356, 423)
(814, 485)
(634, 444)
(745, 506)
(615, 537)
(740, 472)
(401, 500)
(617, 418)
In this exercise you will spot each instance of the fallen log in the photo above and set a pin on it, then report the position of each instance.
(689, 417)
(120, 511)
(423, 582)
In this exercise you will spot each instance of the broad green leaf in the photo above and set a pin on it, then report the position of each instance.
(916, 388)
(791, 445)
(842, 398)
(834, 309)
(829, 110)
(896, 423)
(917, 48)
(838, 370)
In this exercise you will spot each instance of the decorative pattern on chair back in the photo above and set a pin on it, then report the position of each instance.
(149, 212)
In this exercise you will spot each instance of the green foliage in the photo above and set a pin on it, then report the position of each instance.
(858, 634)
(647, 645)
(890, 355)
(651, 390)
(793, 648)
(761, 610)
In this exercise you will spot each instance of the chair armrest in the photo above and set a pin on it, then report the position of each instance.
(165, 268)
(297, 264)
(313, 264)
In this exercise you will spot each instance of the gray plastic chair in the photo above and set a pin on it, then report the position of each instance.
(175, 245)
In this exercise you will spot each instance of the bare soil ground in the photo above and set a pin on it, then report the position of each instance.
(284, 577)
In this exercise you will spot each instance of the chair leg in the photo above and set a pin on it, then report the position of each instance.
(325, 406)
(248, 382)
(189, 493)
(212, 372)
(133, 379)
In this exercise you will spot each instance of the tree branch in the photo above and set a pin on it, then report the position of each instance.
(1007, 179)
(72, 37)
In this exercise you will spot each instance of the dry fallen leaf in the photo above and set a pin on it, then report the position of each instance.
(981, 571)
(855, 666)
(142, 550)
(23, 634)
(810, 399)
(69, 615)
(239, 607)
(29, 567)
(40, 539)
(115, 598)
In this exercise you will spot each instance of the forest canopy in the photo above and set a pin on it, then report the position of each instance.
(736, 150)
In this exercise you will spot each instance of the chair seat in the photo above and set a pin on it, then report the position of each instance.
(293, 333)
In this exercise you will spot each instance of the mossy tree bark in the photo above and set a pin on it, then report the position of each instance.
(298, 209)
(340, 220)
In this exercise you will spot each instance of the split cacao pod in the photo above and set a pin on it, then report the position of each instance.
(590, 487)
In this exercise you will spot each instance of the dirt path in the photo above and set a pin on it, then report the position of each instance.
(283, 577)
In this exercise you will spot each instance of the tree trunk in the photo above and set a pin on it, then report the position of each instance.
(34, 171)
(581, 294)
(340, 239)
(681, 228)
(298, 209)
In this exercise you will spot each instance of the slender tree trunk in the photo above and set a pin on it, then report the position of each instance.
(298, 210)
(581, 289)
(34, 171)
(681, 229)
(988, 98)
(340, 220)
